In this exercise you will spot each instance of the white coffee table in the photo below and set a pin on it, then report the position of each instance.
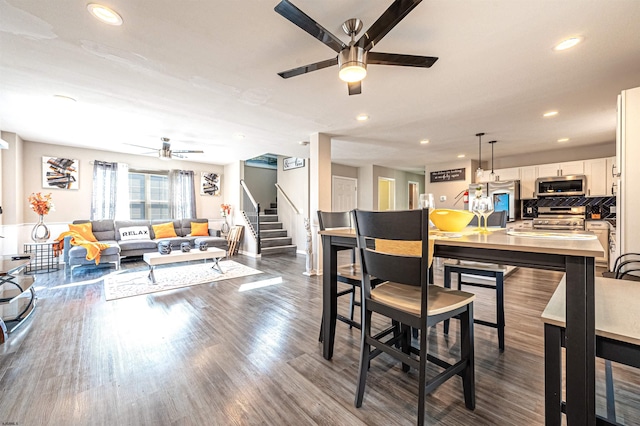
(155, 258)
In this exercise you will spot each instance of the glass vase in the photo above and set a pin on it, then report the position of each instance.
(40, 232)
(224, 229)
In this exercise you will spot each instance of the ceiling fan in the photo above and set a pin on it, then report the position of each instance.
(354, 58)
(165, 153)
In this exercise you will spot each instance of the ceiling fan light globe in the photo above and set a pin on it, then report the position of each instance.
(353, 64)
(353, 73)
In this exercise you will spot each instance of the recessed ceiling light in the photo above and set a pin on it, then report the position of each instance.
(461, 156)
(563, 140)
(550, 114)
(568, 43)
(424, 141)
(64, 98)
(362, 117)
(104, 14)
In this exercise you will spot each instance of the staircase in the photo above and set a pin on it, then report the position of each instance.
(273, 236)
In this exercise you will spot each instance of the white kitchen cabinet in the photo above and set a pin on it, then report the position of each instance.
(512, 173)
(561, 169)
(596, 173)
(611, 177)
(528, 178)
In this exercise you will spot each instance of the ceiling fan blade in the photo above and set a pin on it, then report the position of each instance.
(306, 23)
(400, 60)
(140, 146)
(308, 68)
(385, 23)
(187, 151)
(355, 88)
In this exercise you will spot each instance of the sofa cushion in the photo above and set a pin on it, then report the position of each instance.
(164, 230)
(185, 225)
(135, 233)
(84, 230)
(137, 245)
(103, 230)
(79, 251)
(218, 242)
(199, 229)
(118, 224)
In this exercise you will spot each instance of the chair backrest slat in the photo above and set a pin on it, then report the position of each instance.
(406, 225)
(327, 220)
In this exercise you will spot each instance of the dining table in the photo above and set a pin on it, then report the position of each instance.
(571, 252)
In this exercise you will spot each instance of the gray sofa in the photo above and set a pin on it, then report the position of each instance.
(109, 232)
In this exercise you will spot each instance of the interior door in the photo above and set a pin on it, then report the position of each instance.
(386, 194)
(414, 195)
(344, 194)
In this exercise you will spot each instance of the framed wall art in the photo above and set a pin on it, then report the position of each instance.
(59, 173)
(292, 163)
(210, 184)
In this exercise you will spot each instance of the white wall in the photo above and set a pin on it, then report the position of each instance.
(452, 188)
(261, 183)
(366, 188)
(344, 171)
(295, 183)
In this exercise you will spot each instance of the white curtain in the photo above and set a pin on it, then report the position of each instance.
(182, 194)
(110, 197)
(123, 211)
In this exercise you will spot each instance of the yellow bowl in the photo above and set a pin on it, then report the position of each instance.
(450, 220)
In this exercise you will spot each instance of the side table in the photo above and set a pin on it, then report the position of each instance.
(45, 257)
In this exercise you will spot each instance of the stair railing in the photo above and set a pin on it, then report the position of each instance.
(251, 212)
(286, 197)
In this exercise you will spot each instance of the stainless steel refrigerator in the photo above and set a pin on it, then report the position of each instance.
(505, 195)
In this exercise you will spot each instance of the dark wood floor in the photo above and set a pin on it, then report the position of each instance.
(211, 355)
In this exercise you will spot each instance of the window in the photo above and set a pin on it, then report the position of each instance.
(148, 195)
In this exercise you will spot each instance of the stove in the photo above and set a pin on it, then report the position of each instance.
(561, 217)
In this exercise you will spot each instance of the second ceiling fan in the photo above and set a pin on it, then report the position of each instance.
(354, 58)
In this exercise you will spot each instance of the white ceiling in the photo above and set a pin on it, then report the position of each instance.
(200, 72)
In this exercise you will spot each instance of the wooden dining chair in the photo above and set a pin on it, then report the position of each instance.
(409, 301)
(496, 272)
(350, 273)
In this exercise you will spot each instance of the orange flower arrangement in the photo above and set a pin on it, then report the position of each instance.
(41, 204)
(225, 209)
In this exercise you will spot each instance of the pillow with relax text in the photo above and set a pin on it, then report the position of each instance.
(135, 233)
(164, 230)
(199, 229)
(85, 230)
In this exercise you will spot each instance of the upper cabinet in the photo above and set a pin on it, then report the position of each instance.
(512, 173)
(596, 173)
(611, 176)
(528, 176)
(561, 169)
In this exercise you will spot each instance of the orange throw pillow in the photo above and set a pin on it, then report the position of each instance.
(164, 230)
(199, 229)
(85, 230)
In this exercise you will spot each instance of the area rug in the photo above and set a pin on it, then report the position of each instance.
(127, 284)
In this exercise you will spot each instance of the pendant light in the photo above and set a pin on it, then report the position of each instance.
(479, 172)
(493, 175)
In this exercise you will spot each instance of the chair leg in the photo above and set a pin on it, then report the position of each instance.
(467, 352)
(351, 305)
(422, 374)
(447, 284)
(611, 399)
(500, 309)
(320, 339)
(365, 350)
(406, 345)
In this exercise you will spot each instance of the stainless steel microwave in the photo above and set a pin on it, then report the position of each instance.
(561, 186)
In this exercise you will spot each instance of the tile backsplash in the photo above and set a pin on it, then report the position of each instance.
(604, 204)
